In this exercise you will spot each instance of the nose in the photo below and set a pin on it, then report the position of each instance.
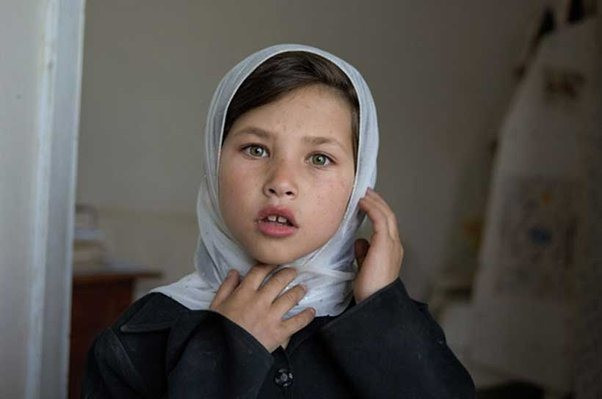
(281, 181)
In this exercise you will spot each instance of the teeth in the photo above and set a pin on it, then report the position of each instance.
(276, 218)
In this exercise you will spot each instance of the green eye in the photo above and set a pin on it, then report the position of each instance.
(255, 150)
(320, 159)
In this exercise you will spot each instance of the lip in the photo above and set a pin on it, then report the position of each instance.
(276, 230)
(279, 211)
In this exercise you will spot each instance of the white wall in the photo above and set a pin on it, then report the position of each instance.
(440, 72)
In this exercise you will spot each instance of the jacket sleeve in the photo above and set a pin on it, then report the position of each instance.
(200, 354)
(389, 346)
(110, 372)
(212, 357)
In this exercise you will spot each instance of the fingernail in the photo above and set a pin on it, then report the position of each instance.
(230, 273)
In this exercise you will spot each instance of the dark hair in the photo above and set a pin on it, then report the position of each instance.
(285, 72)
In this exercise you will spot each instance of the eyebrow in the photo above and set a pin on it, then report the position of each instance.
(255, 131)
(315, 140)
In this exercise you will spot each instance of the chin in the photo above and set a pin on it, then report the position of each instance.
(268, 257)
(273, 260)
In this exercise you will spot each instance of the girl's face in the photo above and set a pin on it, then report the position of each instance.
(286, 173)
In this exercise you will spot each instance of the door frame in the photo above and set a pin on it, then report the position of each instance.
(55, 187)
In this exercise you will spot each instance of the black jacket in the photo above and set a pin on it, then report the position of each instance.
(388, 346)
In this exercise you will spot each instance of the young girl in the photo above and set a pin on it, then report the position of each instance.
(276, 307)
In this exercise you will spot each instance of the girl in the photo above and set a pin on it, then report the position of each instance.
(276, 307)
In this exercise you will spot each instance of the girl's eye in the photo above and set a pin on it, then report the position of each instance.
(320, 160)
(255, 150)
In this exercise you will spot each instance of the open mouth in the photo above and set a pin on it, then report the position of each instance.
(277, 214)
(278, 220)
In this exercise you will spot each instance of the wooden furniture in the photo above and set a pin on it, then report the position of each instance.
(99, 297)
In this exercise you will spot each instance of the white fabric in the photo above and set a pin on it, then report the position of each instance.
(328, 271)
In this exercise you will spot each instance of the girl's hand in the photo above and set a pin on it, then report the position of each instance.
(260, 310)
(380, 262)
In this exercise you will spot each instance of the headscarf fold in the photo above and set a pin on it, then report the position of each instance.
(329, 270)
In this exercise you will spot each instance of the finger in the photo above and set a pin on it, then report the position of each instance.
(256, 275)
(361, 247)
(225, 289)
(277, 282)
(376, 215)
(288, 299)
(299, 321)
(390, 220)
(379, 219)
(380, 202)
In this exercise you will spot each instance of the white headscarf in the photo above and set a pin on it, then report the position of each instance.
(329, 270)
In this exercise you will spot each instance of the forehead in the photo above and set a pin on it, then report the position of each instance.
(316, 109)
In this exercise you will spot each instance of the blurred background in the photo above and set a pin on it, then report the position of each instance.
(442, 77)
(490, 147)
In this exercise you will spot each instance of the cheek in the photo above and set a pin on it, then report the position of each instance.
(227, 184)
(232, 182)
(331, 199)
(233, 179)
